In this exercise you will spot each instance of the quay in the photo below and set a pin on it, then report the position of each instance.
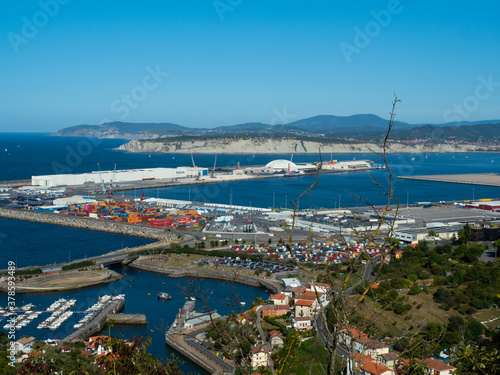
(127, 318)
(98, 322)
(484, 179)
(186, 342)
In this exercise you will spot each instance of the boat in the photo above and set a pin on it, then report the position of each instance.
(163, 295)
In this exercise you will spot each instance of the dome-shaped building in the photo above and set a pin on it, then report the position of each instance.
(281, 165)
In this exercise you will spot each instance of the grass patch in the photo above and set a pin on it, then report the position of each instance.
(314, 358)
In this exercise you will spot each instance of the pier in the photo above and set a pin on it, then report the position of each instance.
(483, 179)
(98, 322)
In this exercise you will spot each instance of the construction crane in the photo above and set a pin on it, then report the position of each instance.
(213, 170)
(195, 168)
(100, 178)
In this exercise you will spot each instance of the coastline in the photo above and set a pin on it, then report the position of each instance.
(23, 289)
(175, 272)
(253, 146)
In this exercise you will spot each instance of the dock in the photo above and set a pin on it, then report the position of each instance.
(98, 322)
(483, 179)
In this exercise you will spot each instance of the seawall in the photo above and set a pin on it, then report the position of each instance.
(88, 223)
(206, 274)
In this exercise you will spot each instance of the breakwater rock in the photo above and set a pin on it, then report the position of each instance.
(90, 224)
(207, 274)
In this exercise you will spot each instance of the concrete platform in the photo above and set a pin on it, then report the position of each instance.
(484, 179)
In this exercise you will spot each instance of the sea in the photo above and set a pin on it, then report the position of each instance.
(23, 155)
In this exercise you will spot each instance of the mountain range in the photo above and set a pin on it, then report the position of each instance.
(361, 126)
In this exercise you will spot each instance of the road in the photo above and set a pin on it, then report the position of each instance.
(195, 344)
(266, 344)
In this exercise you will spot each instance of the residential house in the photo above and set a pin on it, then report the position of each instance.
(368, 366)
(318, 287)
(304, 308)
(310, 295)
(388, 359)
(374, 368)
(347, 335)
(436, 367)
(303, 323)
(258, 356)
(372, 348)
(275, 310)
(98, 345)
(276, 339)
(23, 345)
(280, 299)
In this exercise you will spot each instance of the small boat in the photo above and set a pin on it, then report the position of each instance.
(242, 303)
(163, 295)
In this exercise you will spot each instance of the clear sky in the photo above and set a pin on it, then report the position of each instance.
(207, 63)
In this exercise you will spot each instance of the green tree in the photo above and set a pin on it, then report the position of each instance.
(464, 234)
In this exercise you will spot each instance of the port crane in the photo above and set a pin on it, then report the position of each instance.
(100, 178)
(111, 183)
(195, 169)
(213, 170)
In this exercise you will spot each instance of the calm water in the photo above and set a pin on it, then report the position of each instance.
(36, 154)
(140, 288)
(31, 244)
(24, 155)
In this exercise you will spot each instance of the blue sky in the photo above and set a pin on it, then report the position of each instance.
(207, 63)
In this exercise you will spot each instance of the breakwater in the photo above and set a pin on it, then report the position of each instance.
(127, 318)
(90, 224)
(207, 274)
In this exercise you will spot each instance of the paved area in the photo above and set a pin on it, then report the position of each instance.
(486, 179)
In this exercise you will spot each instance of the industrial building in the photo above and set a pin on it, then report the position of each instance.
(485, 231)
(111, 177)
(414, 235)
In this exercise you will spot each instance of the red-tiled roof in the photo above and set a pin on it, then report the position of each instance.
(437, 365)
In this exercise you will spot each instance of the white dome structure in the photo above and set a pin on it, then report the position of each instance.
(282, 165)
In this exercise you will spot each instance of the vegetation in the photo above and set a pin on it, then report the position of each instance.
(74, 266)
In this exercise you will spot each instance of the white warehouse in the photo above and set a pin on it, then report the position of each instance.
(108, 177)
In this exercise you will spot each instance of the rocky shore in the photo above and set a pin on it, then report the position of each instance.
(286, 146)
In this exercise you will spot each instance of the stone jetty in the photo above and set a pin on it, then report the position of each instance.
(88, 223)
(127, 318)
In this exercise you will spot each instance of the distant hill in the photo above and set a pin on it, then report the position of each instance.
(118, 129)
(471, 133)
(361, 126)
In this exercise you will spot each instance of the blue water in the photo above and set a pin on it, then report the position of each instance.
(36, 154)
(35, 243)
(32, 244)
(140, 288)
